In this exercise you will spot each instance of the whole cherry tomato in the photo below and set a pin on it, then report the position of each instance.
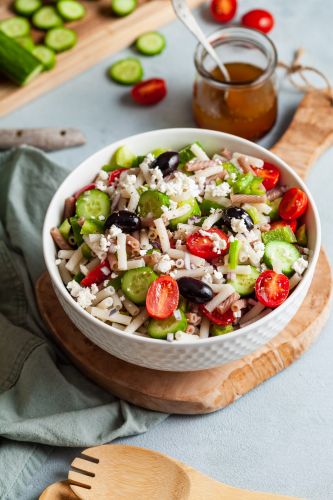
(162, 297)
(282, 223)
(293, 204)
(149, 92)
(223, 10)
(270, 174)
(272, 288)
(203, 245)
(258, 19)
(217, 318)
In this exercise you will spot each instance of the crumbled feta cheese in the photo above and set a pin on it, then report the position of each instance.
(58, 262)
(165, 264)
(84, 296)
(217, 190)
(300, 265)
(105, 283)
(185, 337)
(100, 185)
(170, 337)
(178, 185)
(101, 217)
(94, 288)
(114, 231)
(142, 252)
(238, 225)
(128, 183)
(103, 175)
(104, 244)
(219, 243)
(105, 270)
(114, 275)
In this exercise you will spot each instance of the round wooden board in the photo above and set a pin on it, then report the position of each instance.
(191, 392)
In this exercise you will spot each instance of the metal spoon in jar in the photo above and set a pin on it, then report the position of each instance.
(185, 15)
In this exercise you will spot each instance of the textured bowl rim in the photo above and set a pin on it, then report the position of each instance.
(174, 345)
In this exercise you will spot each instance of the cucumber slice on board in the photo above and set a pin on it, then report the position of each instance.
(46, 18)
(193, 210)
(151, 202)
(282, 255)
(151, 43)
(126, 71)
(70, 10)
(91, 204)
(60, 39)
(46, 56)
(26, 42)
(27, 7)
(135, 284)
(15, 27)
(159, 328)
(244, 283)
(123, 7)
(17, 63)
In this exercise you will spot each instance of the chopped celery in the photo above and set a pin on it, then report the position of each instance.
(302, 236)
(274, 213)
(248, 184)
(92, 226)
(234, 253)
(284, 233)
(76, 228)
(65, 229)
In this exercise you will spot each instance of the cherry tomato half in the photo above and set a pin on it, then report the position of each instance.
(203, 246)
(149, 92)
(281, 223)
(293, 204)
(217, 318)
(115, 174)
(270, 174)
(162, 297)
(258, 19)
(223, 10)
(88, 187)
(272, 288)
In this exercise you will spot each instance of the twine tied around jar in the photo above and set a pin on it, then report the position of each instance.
(297, 68)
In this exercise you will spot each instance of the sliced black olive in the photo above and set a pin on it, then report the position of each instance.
(237, 213)
(127, 221)
(167, 162)
(195, 290)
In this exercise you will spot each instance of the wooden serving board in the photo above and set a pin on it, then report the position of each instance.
(100, 34)
(310, 132)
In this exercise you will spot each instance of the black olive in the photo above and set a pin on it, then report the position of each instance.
(195, 290)
(237, 213)
(167, 162)
(127, 221)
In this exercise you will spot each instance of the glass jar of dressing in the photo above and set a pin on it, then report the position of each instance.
(247, 104)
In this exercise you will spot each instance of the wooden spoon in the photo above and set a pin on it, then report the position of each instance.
(127, 472)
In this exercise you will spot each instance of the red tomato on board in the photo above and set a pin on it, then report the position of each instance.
(203, 246)
(223, 10)
(162, 297)
(88, 187)
(258, 19)
(149, 92)
(270, 174)
(115, 174)
(293, 204)
(217, 318)
(96, 275)
(272, 288)
(282, 223)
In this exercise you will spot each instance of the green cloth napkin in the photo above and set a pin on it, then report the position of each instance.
(44, 400)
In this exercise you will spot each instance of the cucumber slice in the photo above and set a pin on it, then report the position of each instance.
(193, 210)
(274, 213)
(92, 226)
(159, 328)
(281, 254)
(26, 42)
(70, 10)
(151, 43)
(151, 202)
(123, 7)
(27, 7)
(46, 18)
(60, 39)
(244, 283)
(124, 157)
(65, 229)
(207, 205)
(76, 228)
(91, 204)
(126, 71)
(186, 154)
(220, 330)
(302, 236)
(135, 284)
(17, 63)
(45, 55)
(284, 233)
(15, 27)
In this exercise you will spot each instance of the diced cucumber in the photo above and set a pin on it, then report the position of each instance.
(124, 157)
(16, 62)
(86, 251)
(159, 328)
(65, 229)
(60, 39)
(274, 213)
(186, 154)
(70, 10)
(193, 210)
(135, 284)
(302, 236)
(92, 204)
(220, 330)
(244, 283)
(76, 228)
(151, 203)
(46, 56)
(27, 7)
(248, 184)
(207, 205)
(150, 43)
(284, 233)
(282, 255)
(126, 71)
(231, 169)
(92, 226)
(26, 42)
(46, 18)
(15, 27)
(123, 7)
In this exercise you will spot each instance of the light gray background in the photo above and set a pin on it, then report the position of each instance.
(279, 437)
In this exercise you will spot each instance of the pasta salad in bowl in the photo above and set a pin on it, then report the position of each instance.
(181, 249)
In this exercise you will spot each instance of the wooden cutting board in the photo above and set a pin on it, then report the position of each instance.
(309, 134)
(100, 35)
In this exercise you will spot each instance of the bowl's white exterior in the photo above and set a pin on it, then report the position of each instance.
(177, 356)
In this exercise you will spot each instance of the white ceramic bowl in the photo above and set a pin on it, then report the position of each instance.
(177, 356)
